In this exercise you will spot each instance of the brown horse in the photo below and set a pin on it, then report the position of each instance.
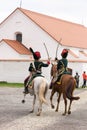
(67, 86)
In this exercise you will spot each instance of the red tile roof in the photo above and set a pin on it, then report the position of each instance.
(17, 46)
(72, 34)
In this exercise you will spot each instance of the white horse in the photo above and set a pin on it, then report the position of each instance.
(39, 91)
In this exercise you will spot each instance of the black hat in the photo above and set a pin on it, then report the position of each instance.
(36, 54)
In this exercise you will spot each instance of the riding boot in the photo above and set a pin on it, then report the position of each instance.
(26, 90)
(58, 80)
(50, 87)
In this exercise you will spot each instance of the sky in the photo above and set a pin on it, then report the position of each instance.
(70, 10)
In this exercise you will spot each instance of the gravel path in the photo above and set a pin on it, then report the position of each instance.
(15, 116)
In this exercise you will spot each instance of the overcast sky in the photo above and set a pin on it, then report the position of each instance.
(70, 10)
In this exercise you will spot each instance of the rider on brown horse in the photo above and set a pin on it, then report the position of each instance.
(35, 67)
(62, 65)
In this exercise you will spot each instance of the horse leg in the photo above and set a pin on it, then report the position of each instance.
(25, 82)
(39, 109)
(33, 104)
(69, 109)
(23, 101)
(58, 101)
(51, 97)
(65, 101)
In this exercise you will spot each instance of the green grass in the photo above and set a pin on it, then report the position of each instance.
(6, 84)
(18, 85)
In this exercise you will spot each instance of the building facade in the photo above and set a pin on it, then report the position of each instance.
(23, 29)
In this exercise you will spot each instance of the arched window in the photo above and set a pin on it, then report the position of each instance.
(19, 37)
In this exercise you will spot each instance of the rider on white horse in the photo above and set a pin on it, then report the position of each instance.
(36, 68)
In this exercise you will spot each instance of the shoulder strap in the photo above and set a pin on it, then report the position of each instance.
(62, 63)
(34, 66)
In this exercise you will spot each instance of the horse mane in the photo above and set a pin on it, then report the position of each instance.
(53, 70)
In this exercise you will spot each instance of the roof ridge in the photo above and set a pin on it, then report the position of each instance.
(52, 17)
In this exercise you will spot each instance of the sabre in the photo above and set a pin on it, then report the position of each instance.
(47, 51)
(58, 46)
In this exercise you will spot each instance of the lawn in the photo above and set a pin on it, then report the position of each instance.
(6, 84)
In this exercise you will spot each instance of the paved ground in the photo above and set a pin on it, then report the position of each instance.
(15, 116)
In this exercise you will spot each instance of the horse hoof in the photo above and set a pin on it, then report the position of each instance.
(52, 106)
(64, 114)
(31, 111)
(56, 110)
(69, 112)
(38, 114)
(23, 101)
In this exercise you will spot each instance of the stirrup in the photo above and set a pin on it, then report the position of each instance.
(25, 92)
(58, 82)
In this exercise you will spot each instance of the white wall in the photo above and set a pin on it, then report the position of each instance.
(18, 71)
(78, 67)
(7, 52)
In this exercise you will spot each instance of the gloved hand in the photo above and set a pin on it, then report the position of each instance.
(48, 62)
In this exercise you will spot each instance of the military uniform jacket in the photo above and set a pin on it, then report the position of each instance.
(37, 66)
(62, 65)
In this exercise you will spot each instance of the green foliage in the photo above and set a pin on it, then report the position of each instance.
(6, 84)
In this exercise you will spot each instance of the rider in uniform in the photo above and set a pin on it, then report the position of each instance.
(62, 65)
(35, 67)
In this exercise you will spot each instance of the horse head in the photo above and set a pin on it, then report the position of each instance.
(53, 70)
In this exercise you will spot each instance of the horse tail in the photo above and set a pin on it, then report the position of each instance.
(43, 91)
(70, 89)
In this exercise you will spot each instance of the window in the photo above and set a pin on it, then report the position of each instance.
(19, 37)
